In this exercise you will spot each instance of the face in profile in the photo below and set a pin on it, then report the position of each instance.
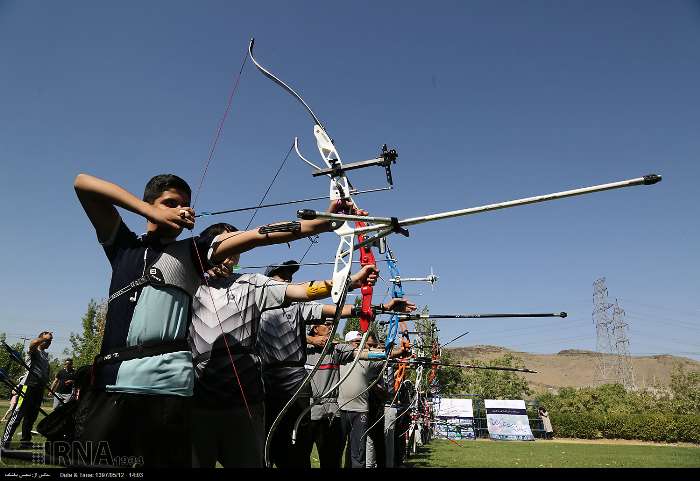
(323, 329)
(171, 199)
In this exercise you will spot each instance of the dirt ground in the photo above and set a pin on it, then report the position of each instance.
(575, 368)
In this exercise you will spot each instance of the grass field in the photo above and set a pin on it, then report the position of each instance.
(538, 454)
(553, 454)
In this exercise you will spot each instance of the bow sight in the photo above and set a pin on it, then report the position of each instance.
(385, 159)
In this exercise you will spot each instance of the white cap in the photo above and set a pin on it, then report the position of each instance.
(352, 336)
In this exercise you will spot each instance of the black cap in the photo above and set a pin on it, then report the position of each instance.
(289, 266)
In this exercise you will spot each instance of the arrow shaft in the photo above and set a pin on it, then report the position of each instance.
(646, 180)
(470, 366)
(288, 202)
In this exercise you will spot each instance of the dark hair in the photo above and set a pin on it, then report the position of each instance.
(217, 229)
(313, 328)
(160, 183)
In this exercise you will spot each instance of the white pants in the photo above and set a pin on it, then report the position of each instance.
(389, 426)
(65, 398)
(370, 454)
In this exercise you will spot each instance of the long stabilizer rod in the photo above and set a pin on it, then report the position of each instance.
(386, 225)
(410, 317)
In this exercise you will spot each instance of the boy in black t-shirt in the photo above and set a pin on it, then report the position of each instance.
(142, 381)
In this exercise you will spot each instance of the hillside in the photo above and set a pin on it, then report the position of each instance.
(575, 368)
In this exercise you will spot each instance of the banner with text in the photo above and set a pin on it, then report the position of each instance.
(507, 420)
(454, 419)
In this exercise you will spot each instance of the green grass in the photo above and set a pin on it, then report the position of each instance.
(14, 463)
(548, 454)
(515, 454)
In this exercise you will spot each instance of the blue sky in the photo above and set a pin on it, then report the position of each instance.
(484, 101)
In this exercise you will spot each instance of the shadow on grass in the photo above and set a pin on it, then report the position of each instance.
(421, 459)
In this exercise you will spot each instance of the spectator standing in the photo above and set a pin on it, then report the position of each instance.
(546, 423)
(64, 383)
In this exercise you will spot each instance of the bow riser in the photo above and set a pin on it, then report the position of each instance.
(339, 190)
(366, 259)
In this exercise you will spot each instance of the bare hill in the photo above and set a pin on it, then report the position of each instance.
(576, 368)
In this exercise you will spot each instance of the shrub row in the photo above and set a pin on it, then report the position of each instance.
(670, 428)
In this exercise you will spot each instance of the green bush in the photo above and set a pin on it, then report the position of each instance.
(669, 428)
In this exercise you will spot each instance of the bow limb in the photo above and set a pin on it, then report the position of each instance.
(279, 82)
(340, 190)
(393, 400)
(366, 313)
(309, 376)
(410, 405)
(341, 275)
(366, 318)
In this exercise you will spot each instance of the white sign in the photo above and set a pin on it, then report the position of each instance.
(507, 420)
(454, 419)
(456, 408)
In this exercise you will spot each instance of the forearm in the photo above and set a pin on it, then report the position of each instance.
(243, 241)
(372, 355)
(34, 344)
(93, 189)
(329, 311)
(317, 290)
(99, 198)
(312, 291)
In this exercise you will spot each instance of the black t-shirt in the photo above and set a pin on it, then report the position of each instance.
(63, 376)
(38, 374)
(131, 256)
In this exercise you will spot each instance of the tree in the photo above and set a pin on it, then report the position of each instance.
(87, 345)
(685, 391)
(449, 379)
(13, 370)
(491, 384)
